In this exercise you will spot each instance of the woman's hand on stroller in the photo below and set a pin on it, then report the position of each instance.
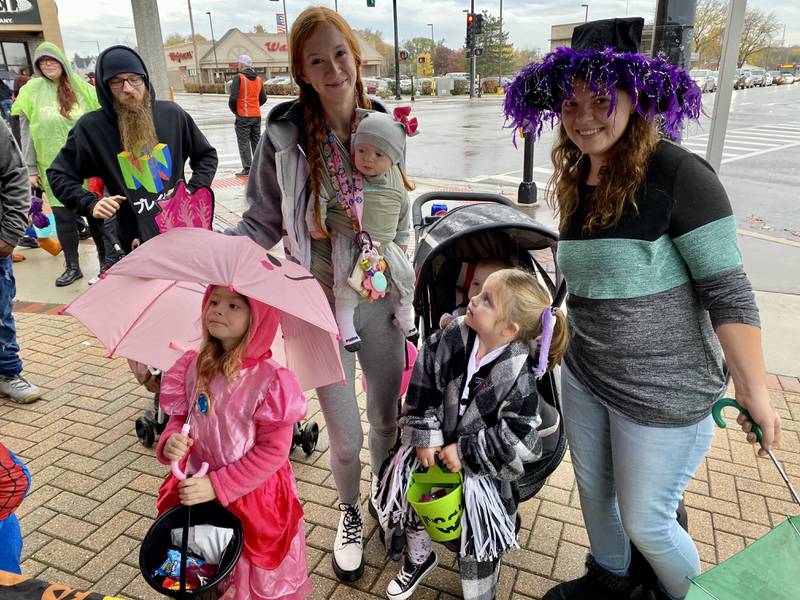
(196, 490)
(449, 457)
(176, 447)
(427, 456)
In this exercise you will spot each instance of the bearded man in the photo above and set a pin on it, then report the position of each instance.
(136, 144)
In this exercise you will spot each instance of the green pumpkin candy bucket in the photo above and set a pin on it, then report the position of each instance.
(441, 517)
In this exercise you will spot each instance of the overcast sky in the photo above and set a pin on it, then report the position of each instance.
(528, 21)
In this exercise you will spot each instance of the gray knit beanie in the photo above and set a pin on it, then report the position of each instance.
(382, 131)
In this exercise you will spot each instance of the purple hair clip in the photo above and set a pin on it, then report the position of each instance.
(548, 323)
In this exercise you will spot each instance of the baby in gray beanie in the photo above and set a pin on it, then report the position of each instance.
(379, 145)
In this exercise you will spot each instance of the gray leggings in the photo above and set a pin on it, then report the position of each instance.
(381, 358)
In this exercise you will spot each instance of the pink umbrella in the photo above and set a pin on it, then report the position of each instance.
(147, 307)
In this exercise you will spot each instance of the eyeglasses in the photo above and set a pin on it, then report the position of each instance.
(48, 61)
(134, 80)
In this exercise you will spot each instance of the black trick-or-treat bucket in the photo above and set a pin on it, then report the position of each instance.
(157, 542)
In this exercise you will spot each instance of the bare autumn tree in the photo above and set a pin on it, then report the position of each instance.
(759, 29)
(708, 26)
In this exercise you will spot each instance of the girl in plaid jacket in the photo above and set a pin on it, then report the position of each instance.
(473, 404)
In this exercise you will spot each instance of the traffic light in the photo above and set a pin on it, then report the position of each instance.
(478, 24)
(477, 51)
(403, 55)
(470, 30)
(421, 60)
(370, 3)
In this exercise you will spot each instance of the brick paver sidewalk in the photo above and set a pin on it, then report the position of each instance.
(94, 486)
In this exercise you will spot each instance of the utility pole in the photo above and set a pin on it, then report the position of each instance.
(433, 47)
(472, 58)
(194, 46)
(396, 54)
(213, 45)
(586, 15)
(500, 62)
(151, 45)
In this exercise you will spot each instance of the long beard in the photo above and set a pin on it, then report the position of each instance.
(136, 129)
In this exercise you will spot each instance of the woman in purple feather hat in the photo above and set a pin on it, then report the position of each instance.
(657, 296)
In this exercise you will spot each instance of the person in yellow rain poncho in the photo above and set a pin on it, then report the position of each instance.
(49, 105)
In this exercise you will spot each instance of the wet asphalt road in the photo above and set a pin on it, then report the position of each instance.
(464, 140)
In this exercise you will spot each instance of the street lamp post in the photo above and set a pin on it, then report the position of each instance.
(213, 44)
(194, 47)
(433, 46)
(288, 66)
(586, 16)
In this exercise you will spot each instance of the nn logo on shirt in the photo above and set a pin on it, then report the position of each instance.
(148, 171)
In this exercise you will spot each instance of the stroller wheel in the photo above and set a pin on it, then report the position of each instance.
(146, 430)
(310, 437)
(297, 436)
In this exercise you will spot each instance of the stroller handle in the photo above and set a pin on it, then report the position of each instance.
(416, 208)
(176, 469)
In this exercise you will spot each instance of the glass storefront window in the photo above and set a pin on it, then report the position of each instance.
(15, 54)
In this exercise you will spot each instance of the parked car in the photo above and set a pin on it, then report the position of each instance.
(758, 77)
(715, 76)
(281, 80)
(787, 78)
(743, 79)
(376, 85)
(776, 77)
(767, 78)
(703, 79)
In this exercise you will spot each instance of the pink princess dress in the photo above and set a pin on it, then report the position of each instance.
(245, 437)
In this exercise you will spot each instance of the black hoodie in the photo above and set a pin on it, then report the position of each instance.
(94, 149)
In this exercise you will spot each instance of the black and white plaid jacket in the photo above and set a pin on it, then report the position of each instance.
(497, 434)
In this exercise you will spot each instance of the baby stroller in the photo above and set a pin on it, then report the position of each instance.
(487, 226)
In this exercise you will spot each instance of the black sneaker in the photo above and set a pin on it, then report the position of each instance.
(409, 577)
(242, 173)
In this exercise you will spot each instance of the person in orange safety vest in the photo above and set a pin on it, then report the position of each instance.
(247, 97)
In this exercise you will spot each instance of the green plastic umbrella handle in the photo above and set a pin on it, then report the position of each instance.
(724, 403)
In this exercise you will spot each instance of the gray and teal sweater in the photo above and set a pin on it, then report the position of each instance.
(645, 296)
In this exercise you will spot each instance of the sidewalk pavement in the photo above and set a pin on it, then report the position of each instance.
(94, 487)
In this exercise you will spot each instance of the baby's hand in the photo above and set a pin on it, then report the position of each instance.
(427, 456)
(449, 457)
(196, 490)
(176, 447)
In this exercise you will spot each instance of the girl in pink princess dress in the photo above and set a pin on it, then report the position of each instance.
(244, 408)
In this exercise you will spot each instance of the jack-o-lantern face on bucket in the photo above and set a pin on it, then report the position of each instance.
(448, 524)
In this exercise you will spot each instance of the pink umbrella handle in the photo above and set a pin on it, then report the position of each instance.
(176, 469)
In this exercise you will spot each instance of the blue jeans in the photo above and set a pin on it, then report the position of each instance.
(10, 364)
(631, 478)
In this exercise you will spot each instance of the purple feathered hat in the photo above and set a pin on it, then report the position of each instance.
(606, 55)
